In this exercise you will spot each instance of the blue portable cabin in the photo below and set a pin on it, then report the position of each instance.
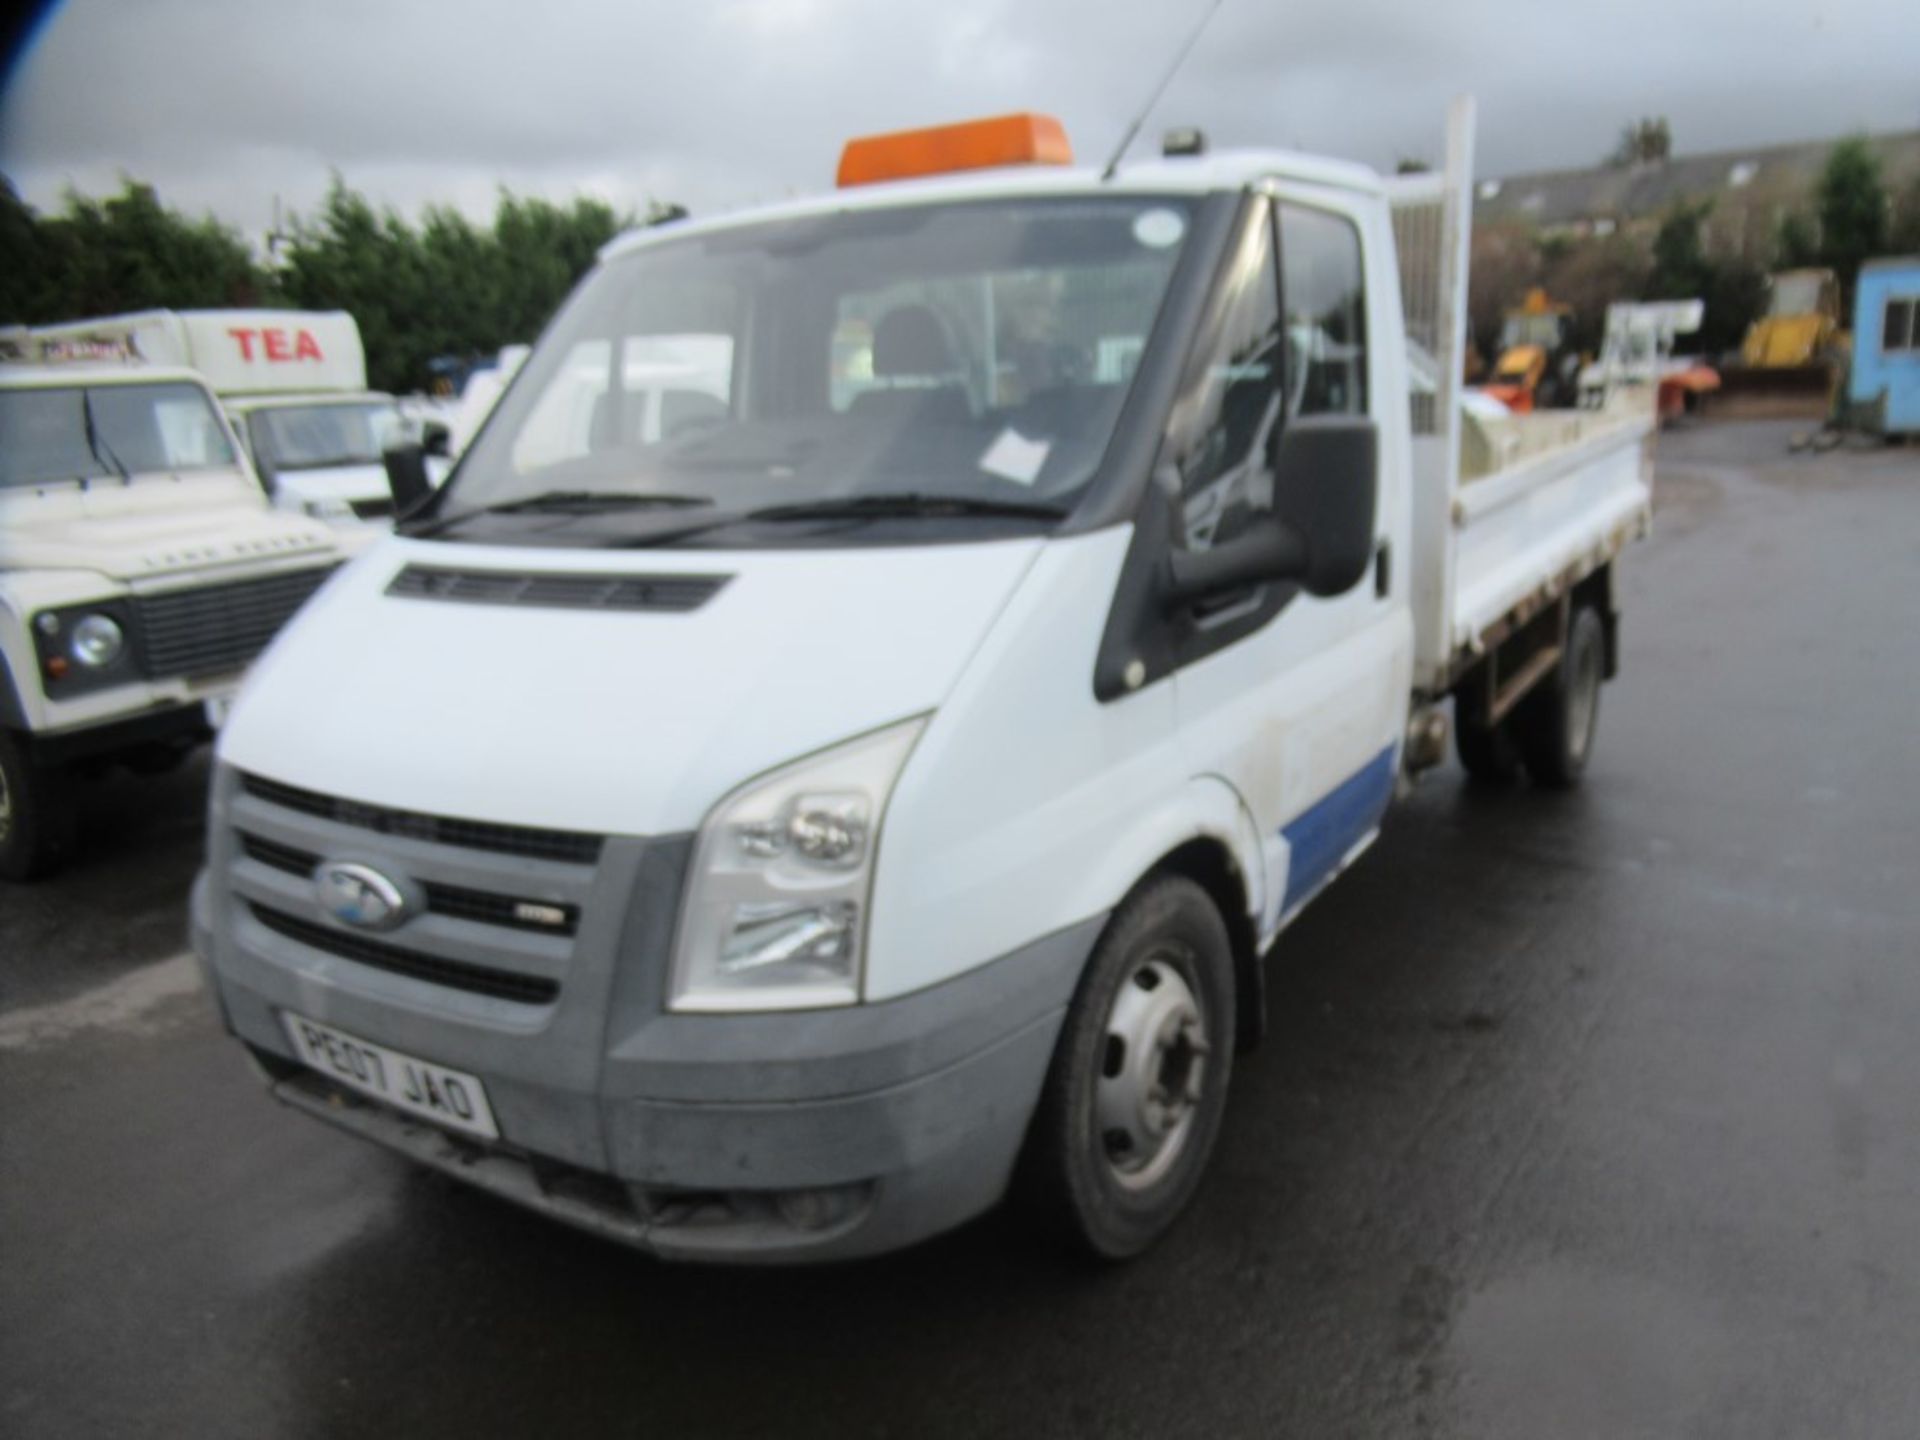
(1884, 389)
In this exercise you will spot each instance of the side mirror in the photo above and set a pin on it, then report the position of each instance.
(436, 439)
(1320, 531)
(407, 478)
(1327, 484)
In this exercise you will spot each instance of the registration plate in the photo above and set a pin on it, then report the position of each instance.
(447, 1097)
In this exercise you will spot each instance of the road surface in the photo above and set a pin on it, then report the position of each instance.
(1581, 1116)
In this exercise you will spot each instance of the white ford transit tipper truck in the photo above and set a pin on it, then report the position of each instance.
(140, 570)
(757, 827)
(294, 382)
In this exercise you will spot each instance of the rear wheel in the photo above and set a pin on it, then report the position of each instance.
(1554, 726)
(1487, 753)
(1133, 1100)
(36, 817)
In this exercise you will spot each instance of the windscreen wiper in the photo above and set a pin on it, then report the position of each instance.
(561, 502)
(884, 506)
(590, 500)
(96, 442)
(889, 504)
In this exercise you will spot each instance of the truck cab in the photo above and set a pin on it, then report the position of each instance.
(321, 452)
(140, 571)
(889, 668)
(294, 383)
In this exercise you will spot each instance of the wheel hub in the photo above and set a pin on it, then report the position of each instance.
(1152, 1075)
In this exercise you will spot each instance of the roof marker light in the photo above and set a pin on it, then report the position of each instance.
(1021, 139)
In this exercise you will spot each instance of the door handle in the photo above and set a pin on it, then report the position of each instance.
(1382, 568)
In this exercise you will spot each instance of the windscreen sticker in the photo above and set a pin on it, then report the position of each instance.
(1158, 228)
(1014, 457)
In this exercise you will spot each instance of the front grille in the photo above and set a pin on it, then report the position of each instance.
(452, 900)
(490, 909)
(218, 628)
(557, 591)
(281, 857)
(565, 845)
(455, 974)
(379, 509)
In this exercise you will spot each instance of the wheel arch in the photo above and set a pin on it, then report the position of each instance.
(1595, 592)
(1209, 863)
(13, 710)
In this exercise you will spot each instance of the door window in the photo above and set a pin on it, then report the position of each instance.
(1326, 313)
(1218, 433)
(1221, 432)
(1899, 331)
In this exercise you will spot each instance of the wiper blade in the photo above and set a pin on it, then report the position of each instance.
(861, 507)
(590, 500)
(906, 503)
(562, 501)
(96, 442)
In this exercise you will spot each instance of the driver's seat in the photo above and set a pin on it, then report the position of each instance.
(912, 356)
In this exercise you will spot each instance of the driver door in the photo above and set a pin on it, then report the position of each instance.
(1296, 701)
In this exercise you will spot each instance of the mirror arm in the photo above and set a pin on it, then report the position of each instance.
(407, 481)
(1270, 551)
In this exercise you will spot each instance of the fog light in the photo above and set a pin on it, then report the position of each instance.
(821, 1209)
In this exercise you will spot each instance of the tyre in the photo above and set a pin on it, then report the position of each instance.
(36, 819)
(1554, 726)
(1487, 753)
(1132, 1103)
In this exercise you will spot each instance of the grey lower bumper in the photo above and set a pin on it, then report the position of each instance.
(763, 1138)
(928, 1156)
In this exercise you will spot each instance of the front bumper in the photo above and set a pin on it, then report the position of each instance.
(746, 1138)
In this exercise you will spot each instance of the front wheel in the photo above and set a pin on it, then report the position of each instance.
(1554, 725)
(36, 819)
(1132, 1103)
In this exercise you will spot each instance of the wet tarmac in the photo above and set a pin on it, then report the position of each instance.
(1581, 1116)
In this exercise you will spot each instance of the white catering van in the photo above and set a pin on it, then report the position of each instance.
(763, 824)
(140, 570)
(294, 383)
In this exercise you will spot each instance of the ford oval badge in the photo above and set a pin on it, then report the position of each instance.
(359, 895)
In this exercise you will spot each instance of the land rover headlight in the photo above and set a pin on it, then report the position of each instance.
(97, 641)
(775, 916)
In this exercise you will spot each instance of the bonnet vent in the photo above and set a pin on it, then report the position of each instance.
(565, 591)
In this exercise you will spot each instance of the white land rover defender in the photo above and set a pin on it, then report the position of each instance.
(141, 569)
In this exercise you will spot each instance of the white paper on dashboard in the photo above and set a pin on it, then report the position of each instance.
(1014, 457)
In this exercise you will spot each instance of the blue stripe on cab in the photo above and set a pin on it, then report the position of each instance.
(1322, 833)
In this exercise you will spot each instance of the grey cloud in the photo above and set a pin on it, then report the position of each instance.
(226, 103)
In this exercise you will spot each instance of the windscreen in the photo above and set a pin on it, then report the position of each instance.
(1542, 330)
(979, 350)
(85, 432)
(317, 437)
(1795, 295)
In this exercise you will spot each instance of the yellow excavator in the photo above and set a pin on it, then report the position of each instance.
(1794, 353)
(1537, 364)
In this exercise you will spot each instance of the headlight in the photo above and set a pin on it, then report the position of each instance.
(97, 642)
(776, 910)
(328, 509)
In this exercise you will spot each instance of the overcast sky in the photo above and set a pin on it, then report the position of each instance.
(224, 104)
